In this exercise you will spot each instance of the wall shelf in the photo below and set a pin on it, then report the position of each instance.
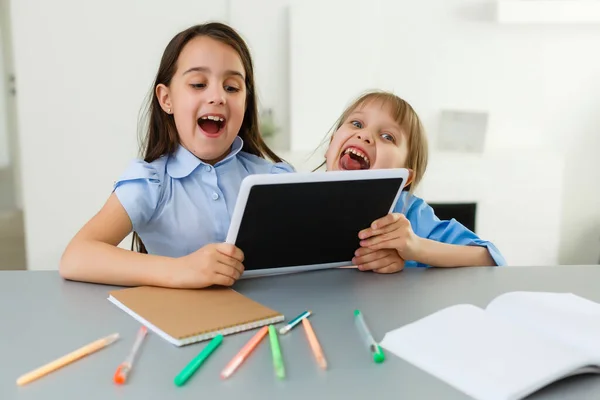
(548, 11)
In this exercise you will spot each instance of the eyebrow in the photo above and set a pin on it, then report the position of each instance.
(207, 70)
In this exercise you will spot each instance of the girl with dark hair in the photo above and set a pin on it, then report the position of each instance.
(202, 139)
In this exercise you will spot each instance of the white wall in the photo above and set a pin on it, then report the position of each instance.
(83, 70)
(572, 76)
(429, 54)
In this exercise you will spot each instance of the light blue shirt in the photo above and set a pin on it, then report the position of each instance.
(178, 204)
(427, 225)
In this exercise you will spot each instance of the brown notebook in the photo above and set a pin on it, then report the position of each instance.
(184, 316)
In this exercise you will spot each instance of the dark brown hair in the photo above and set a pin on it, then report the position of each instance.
(160, 133)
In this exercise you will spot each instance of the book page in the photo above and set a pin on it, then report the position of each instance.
(485, 357)
(564, 316)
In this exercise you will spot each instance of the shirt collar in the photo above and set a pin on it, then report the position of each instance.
(183, 162)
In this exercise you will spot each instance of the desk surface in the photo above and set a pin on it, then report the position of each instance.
(43, 317)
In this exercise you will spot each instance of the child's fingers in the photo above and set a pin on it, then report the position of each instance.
(387, 220)
(367, 258)
(231, 262)
(223, 280)
(391, 268)
(395, 234)
(377, 225)
(370, 232)
(365, 233)
(232, 271)
(363, 251)
(231, 251)
(387, 244)
(384, 262)
(383, 225)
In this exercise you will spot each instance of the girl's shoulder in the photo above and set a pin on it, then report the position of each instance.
(409, 204)
(140, 189)
(416, 210)
(139, 169)
(259, 165)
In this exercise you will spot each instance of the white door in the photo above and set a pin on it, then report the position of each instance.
(10, 182)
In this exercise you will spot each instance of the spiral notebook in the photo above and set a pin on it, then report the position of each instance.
(185, 316)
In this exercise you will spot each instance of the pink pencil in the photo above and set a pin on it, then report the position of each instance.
(244, 353)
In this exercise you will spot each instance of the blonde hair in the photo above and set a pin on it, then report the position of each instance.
(405, 116)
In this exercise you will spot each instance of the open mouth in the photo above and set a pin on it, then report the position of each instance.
(353, 159)
(212, 124)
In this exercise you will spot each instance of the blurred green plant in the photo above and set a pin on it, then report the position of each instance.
(268, 127)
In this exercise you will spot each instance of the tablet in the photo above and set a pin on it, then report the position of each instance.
(309, 220)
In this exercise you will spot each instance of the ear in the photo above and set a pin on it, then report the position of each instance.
(163, 94)
(411, 177)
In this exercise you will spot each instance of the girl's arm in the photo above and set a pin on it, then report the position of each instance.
(448, 243)
(420, 236)
(431, 252)
(93, 255)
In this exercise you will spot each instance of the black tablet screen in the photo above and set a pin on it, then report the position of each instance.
(287, 225)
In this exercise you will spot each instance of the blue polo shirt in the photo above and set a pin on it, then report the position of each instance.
(178, 204)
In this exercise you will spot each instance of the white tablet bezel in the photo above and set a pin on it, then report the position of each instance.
(303, 177)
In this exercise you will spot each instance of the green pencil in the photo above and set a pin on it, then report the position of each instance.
(193, 365)
(276, 351)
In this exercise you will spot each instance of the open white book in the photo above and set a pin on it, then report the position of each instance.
(521, 342)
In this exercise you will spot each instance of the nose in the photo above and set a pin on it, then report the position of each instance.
(216, 96)
(365, 137)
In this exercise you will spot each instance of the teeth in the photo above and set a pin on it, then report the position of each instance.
(213, 117)
(357, 152)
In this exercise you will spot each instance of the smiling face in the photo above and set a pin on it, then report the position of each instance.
(207, 97)
(368, 138)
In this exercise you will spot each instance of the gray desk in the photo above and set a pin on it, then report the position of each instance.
(43, 317)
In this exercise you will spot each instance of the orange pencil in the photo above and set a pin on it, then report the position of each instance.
(314, 343)
(244, 353)
(67, 359)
